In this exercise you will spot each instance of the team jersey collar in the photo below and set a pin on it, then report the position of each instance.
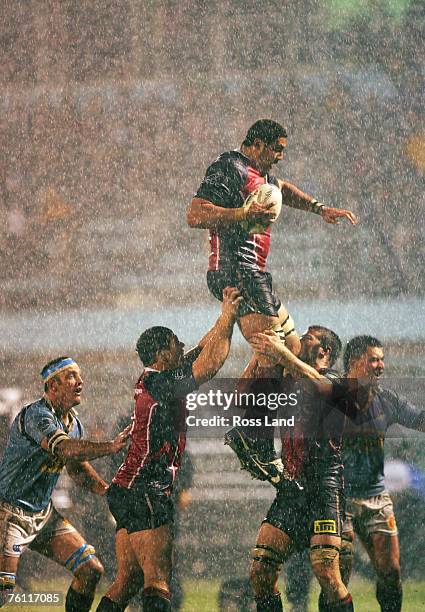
(72, 414)
(251, 162)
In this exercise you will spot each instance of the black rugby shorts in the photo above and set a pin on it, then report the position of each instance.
(138, 510)
(304, 513)
(256, 289)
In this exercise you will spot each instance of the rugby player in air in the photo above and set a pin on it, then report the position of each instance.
(369, 509)
(46, 436)
(237, 257)
(140, 494)
(307, 510)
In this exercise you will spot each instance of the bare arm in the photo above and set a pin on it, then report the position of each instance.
(66, 448)
(295, 198)
(86, 476)
(203, 214)
(217, 346)
(270, 344)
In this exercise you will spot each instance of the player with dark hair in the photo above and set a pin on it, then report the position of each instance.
(238, 257)
(307, 510)
(369, 511)
(140, 494)
(45, 436)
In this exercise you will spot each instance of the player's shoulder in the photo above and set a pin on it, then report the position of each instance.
(162, 385)
(388, 396)
(39, 407)
(331, 374)
(232, 160)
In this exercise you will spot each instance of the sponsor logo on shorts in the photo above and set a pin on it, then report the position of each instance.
(325, 526)
(16, 548)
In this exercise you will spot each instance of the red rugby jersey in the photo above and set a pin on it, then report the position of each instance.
(158, 434)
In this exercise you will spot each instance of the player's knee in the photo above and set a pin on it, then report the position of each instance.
(388, 570)
(84, 564)
(346, 557)
(262, 578)
(91, 571)
(7, 585)
(325, 562)
(265, 568)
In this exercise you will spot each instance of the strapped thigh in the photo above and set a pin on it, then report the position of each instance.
(267, 554)
(324, 554)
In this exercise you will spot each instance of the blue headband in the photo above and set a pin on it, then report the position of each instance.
(56, 367)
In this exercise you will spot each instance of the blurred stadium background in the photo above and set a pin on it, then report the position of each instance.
(110, 112)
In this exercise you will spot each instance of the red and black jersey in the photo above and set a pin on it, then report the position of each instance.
(227, 183)
(158, 434)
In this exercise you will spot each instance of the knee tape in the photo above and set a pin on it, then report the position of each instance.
(7, 584)
(286, 328)
(324, 555)
(347, 549)
(80, 556)
(268, 555)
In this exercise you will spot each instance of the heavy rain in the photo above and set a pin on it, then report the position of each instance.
(111, 113)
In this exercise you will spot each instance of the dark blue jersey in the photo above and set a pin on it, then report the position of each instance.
(364, 438)
(28, 473)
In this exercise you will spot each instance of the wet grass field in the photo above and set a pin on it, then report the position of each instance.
(201, 596)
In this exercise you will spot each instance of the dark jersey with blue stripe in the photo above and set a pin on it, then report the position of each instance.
(364, 439)
(228, 182)
(28, 473)
(311, 449)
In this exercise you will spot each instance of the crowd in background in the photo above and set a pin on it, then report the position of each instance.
(109, 118)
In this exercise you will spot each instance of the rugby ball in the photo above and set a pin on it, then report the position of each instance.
(268, 197)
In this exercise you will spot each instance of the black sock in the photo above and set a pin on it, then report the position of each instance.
(323, 606)
(343, 605)
(77, 602)
(269, 603)
(156, 600)
(107, 605)
(389, 596)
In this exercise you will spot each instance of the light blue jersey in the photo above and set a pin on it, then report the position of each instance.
(28, 473)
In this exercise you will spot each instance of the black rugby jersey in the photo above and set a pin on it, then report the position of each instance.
(312, 448)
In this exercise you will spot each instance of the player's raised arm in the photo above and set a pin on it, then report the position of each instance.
(295, 198)
(217, 346)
